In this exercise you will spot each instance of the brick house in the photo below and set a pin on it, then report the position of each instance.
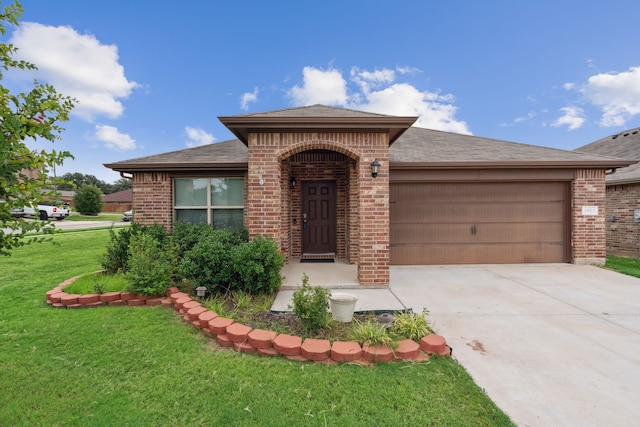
(622, 192)
(120, 201)
(371, 189)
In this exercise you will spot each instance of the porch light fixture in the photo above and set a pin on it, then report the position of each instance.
(375, 166)
(292, 182)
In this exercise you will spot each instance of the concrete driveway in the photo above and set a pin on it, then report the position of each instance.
(552, 345)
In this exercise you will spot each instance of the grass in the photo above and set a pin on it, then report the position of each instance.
(146, 367)
(97, 283)
(629, 266)
(103, 216)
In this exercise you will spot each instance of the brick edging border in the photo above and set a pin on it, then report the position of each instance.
(243, 338)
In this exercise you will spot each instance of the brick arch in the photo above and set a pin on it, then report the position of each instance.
(301, 146)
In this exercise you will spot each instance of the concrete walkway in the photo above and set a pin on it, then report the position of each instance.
(553, 344)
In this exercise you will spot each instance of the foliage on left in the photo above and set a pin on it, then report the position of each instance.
(35, 115)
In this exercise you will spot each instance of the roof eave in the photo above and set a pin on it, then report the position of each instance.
(573, 164)
(175, 167)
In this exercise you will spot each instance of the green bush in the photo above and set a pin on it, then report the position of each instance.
(88, 200)
(257, 266)
(209, 263)
(116, 256)
(150, 268)
(310, 305)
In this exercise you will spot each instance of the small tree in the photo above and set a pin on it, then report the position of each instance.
(88, 200)
(34, 115)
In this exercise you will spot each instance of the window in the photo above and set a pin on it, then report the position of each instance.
(217, 201)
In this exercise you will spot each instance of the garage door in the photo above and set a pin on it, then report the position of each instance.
(479, 223)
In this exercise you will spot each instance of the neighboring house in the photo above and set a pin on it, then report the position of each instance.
(306, 177)
(120, 201)
(623, 192)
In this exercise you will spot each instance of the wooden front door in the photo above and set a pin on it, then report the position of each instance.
(318, 217)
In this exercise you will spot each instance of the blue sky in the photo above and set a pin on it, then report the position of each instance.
(153, 77)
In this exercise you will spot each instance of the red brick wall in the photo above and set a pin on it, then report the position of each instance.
(588, 233)
(623, 233)
(153, 198)
(364, 221)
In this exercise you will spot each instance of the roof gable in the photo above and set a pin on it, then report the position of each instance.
(316, 117)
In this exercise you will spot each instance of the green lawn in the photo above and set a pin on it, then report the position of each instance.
(629, 266)
(103, 216)
(145, 366)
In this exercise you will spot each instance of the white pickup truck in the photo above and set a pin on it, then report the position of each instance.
(46, 212)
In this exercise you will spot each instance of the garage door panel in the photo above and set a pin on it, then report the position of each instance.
(446, 223)
(476, 254)
(486, 233)
(474, 192)
(478, 212)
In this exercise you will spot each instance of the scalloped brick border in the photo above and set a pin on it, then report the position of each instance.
(243, 338)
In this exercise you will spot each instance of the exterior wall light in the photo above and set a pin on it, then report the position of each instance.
(375, 166)
(292, 182)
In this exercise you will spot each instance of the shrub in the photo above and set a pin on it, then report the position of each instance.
(411, 325)
(257, 266)
(116, 256)
(209, 264)
(150, 267)
(186, 235)
(310, 305)
(88, 200)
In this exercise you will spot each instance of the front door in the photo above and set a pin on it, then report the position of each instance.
(318, 217)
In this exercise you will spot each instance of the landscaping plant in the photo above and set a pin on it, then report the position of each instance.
(310, 305)
(411, 325)
(150, 269)
(372, 332)
(257, 266)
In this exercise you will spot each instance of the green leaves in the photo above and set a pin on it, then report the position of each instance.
(33, 115)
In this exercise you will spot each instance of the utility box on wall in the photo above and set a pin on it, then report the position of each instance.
(636, 215)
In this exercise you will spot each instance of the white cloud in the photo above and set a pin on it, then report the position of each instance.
(112, 138)
(320, 87)
(377, 91)
(573, 118)
(198, 137)
(616, 94)
(77, 65)
(248, 98)
(367, 80)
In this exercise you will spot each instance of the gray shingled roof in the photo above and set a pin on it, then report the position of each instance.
(624, 145)
(432, 146)
(417, 147)
(231, 153)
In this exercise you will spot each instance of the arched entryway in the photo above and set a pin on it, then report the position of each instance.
(320, 203)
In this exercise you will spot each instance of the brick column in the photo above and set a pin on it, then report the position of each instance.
(373, 218)
(264, 187)
(588, 232)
